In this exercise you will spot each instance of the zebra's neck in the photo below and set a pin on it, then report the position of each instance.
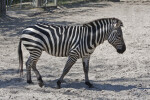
(98, 32)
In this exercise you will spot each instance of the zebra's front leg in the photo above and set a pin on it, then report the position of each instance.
(68, 66)
(85, 62)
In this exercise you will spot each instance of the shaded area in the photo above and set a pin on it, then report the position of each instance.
(86, 4)
(18, 24)
(7, 81)
(14, 82)
(97, 87)
(8, 71)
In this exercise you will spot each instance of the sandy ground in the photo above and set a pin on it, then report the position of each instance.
(114, 76)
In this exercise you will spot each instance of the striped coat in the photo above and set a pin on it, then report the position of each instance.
(73, 42)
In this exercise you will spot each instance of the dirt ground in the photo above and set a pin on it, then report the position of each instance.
(114, 76)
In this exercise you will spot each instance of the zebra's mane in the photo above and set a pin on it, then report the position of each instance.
(55, 25)
(113, 20)
(47, 24)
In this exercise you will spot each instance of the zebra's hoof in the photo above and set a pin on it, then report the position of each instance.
(29, 82)
(58, 87)
(58, 84)
(41, 84)
(89, 84)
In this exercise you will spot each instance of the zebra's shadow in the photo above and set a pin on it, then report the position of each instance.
(97, 86)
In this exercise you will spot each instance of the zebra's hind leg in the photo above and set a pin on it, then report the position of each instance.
(28, 70)
(68, 66)
(39, 77)
(31, 63)
(85, 62)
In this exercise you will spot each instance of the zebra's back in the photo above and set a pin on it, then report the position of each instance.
(54, 39)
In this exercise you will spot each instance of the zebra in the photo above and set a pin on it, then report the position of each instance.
(72, 41)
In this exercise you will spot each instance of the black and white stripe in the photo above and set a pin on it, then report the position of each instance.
(73, 42)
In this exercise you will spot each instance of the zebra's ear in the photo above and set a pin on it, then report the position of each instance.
(118, 24)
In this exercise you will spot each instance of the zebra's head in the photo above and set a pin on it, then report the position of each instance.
(115, 37)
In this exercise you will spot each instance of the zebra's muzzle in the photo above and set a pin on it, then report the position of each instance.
(122, 49)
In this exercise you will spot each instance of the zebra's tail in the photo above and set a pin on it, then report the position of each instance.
(20, 55)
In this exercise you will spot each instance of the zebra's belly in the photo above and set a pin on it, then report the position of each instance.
(58, 54)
